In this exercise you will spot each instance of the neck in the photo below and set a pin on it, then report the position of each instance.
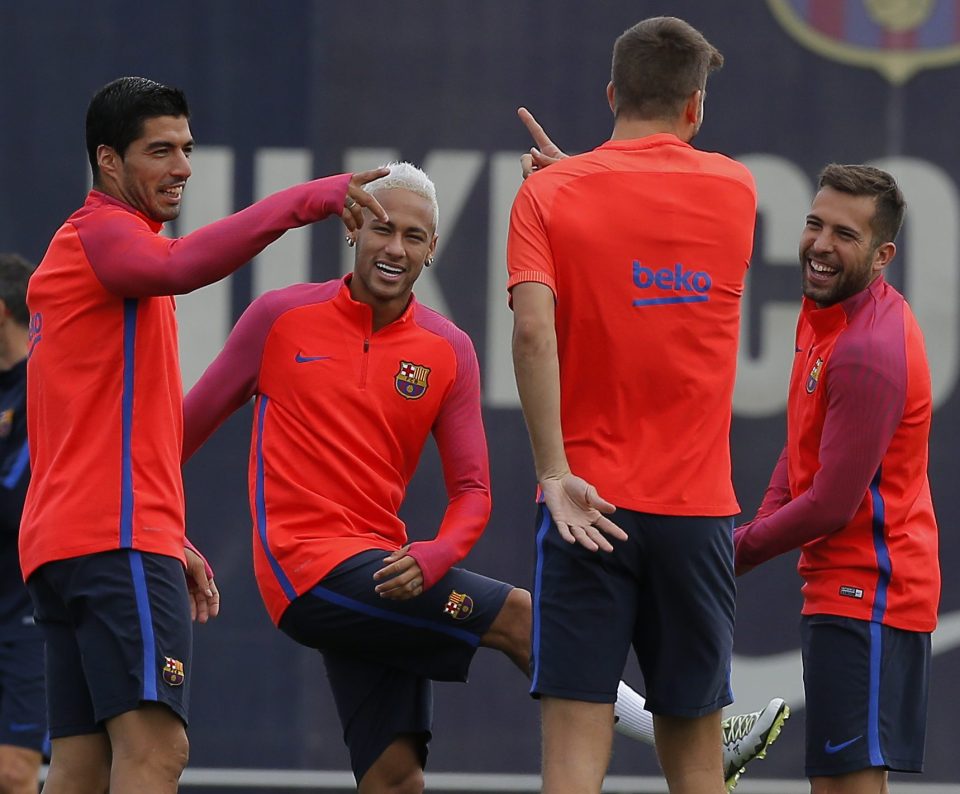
(14, 344)
(625, 129)
(386, 313)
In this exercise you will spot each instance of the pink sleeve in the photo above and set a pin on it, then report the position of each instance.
(466, 470)
(206, 565)
(866, 394)
(230, 381)
(137, 263)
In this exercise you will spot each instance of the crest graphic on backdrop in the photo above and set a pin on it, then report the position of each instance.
(898, 38)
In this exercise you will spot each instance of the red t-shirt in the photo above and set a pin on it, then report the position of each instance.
(851, 488)
(341, 417)
(645, 244)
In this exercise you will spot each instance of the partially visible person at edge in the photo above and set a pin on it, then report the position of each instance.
(645, 239)
(102, 535)
(23, 709)
(851, 491)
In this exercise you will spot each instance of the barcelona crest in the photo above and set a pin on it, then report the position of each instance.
(898, 38)
(459, 605)
(814, 377)
(6, 422)
(411, 380)
(172, 671)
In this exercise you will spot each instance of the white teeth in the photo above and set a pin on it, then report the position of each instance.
(818, 267)
(389, 269)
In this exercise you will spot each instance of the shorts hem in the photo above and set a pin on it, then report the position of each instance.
(115, 710)
(688, 713)
(569, 694)
(908, 767)
(66, 731)
(28, 741)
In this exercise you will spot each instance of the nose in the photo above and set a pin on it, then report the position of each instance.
(181, 166)
(822, 241)
(395, 247)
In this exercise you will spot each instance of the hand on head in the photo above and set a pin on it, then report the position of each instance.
(358, 199)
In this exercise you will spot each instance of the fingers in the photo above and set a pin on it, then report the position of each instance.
(597, 502)
(526, 165)
(363, 177)
(213, 601)
(541, 160)
(405, 585)
(606, 526)
(401, 578)
(540, 138)
(358, 199)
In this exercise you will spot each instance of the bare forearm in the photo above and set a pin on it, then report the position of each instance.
(538, 382)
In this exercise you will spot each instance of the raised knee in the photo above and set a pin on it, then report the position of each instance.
(411, 783)
(521, 616)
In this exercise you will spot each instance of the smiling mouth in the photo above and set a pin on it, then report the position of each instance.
(820, 269)
(172, 192)
(387, 269)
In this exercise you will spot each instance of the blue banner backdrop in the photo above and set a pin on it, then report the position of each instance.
(288, 90)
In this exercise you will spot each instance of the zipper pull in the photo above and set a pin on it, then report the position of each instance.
(366, 345)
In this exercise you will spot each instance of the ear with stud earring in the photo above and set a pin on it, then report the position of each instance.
(350, 241)
(428, 261)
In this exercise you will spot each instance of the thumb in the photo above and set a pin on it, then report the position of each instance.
(597, 502)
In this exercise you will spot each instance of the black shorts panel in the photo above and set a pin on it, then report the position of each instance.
(376, 704)
(381, 654)
(668, 590)
(434, 635)
(23, 702)
(118, 633)
(866, 688)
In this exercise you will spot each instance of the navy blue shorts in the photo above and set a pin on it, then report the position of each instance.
(23, 703)
(118, 633)
(668, 590)
(381, 654)
(866, 690)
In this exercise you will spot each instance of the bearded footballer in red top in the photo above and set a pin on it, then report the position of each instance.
(102, 535)
(851, 491)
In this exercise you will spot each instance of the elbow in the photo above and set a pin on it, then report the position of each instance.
(837, 517)
(532, 339)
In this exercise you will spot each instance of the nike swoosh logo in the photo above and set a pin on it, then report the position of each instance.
(23, 727)
(302, 359)
(836, 748)
(756, 679)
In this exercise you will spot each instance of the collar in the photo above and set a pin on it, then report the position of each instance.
(839, 314)
(363, 312)
(97, 198)
(646, 142)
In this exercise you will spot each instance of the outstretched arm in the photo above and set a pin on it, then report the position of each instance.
(230, 381)
(131, 260)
